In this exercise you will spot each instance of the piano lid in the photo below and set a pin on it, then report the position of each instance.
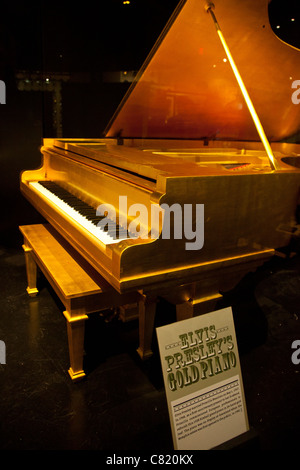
(186, 89)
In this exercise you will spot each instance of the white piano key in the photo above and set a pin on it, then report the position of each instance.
(75, 215)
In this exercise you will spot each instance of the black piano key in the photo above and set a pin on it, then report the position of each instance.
(94, 217)
(89, 212)
(86, 211)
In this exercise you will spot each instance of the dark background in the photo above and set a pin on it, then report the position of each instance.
(79, 41)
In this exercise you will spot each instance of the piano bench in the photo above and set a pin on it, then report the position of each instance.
(80, 288)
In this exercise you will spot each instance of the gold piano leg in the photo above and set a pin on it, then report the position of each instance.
(75, 329)
(147, 309)
(31, 270)
(195, 307)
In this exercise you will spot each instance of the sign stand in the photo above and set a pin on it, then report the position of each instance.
(203, 381)
(246, 441)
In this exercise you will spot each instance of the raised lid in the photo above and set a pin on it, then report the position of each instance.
(186, 89)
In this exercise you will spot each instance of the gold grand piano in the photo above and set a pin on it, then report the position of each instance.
(203, 133)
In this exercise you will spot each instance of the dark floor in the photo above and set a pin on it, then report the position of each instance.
(121, 406)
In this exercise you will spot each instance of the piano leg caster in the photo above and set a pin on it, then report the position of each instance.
(144, 355)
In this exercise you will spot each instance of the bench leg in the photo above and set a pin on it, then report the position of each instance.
(31, 271)
(75, 329)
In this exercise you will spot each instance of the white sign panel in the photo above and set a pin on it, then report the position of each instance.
(203, 380)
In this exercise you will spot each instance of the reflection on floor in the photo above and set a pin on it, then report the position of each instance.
(121, 406)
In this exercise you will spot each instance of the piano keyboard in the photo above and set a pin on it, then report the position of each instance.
(81, 212)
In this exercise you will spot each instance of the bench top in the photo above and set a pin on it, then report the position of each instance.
(71, 273)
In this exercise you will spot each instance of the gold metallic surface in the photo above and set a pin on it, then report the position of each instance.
(79, 287)
(186, 88)
(247, 206)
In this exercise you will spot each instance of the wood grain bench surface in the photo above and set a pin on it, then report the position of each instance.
(81, 289)
(72, 275)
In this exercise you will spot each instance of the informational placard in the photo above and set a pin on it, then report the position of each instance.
(203, 381)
